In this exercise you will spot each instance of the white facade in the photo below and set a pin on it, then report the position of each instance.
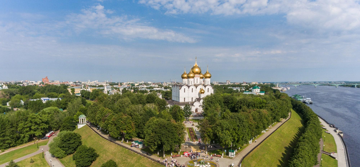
(195, 86)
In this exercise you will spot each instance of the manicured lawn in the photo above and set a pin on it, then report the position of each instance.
(107, 151)
(329, 142)
(39, 161)
(327, 161)
(20, 152)
(278, 148)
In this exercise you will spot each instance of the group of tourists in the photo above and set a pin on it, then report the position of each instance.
(194, 155)
(172, 163)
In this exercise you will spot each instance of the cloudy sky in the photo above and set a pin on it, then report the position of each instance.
(154, 40)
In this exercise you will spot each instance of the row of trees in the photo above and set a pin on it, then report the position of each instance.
(138, 115)
(307, 147)
(18, 127)
(234, 119)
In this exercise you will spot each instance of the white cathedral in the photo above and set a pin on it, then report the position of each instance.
(195, 86)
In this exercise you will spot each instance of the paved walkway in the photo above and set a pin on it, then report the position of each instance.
(41, 149)
(341, 151)
(225, 162)
(321, 143)
(16, 148)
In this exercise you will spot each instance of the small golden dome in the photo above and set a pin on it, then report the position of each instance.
(201, 76)
(184, 75)
(196, 69)
(202, 91)
(207, 74)
(191, 74)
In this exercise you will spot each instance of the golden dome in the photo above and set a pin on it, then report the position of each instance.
(202, 91)
(191, 74)
(196, 69)
(184, 75)
(201, 76)
(207, 74)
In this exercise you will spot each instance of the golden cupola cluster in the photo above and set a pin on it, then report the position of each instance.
(195, 70)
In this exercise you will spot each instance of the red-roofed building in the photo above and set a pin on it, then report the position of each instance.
(45, 80)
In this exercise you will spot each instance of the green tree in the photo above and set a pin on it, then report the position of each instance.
(161, 104)
(162, 134)
(69, 142)
(150, 98)
(74, 106)
(68, 124)
(109, 163)
(187, 111)
(84, 156)
(177, 113)
(54, 145)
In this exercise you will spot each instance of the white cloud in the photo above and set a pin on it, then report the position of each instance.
(333, 15)
(97, 18)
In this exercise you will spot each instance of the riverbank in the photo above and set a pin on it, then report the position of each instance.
(342, 155)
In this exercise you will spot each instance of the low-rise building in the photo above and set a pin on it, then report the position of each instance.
(255, 91)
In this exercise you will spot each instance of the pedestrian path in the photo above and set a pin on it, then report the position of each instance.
(240, 156)
(41, 149)
(16, 148)
(341, 151)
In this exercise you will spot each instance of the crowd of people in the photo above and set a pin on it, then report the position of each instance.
(172, 163)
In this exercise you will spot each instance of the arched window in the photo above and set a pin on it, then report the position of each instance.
(184, 90)
(208, 90)
(192, 90)
(184, 99)
(192, 99)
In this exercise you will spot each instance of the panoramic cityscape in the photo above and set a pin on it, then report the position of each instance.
(179, 83)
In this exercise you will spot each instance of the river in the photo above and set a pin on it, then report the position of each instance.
(338, 106)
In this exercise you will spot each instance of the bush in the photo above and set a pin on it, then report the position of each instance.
(12, 164)
(84, 156)
(31, 160)
(109, 163)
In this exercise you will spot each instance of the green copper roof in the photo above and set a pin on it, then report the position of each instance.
(256, 87)
(262, 91)
(82, 116)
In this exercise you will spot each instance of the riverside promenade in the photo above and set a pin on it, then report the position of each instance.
(341, 151)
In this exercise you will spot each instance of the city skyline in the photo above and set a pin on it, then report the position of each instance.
(152, 40)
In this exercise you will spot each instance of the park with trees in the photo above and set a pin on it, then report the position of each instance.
(231, 119)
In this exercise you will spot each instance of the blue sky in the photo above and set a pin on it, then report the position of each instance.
(153, 40)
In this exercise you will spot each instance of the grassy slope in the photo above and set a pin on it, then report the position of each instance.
(277, 149)
(20, 152)
(39, 161)
(329, 142)
(327, 161)
(107, 151)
